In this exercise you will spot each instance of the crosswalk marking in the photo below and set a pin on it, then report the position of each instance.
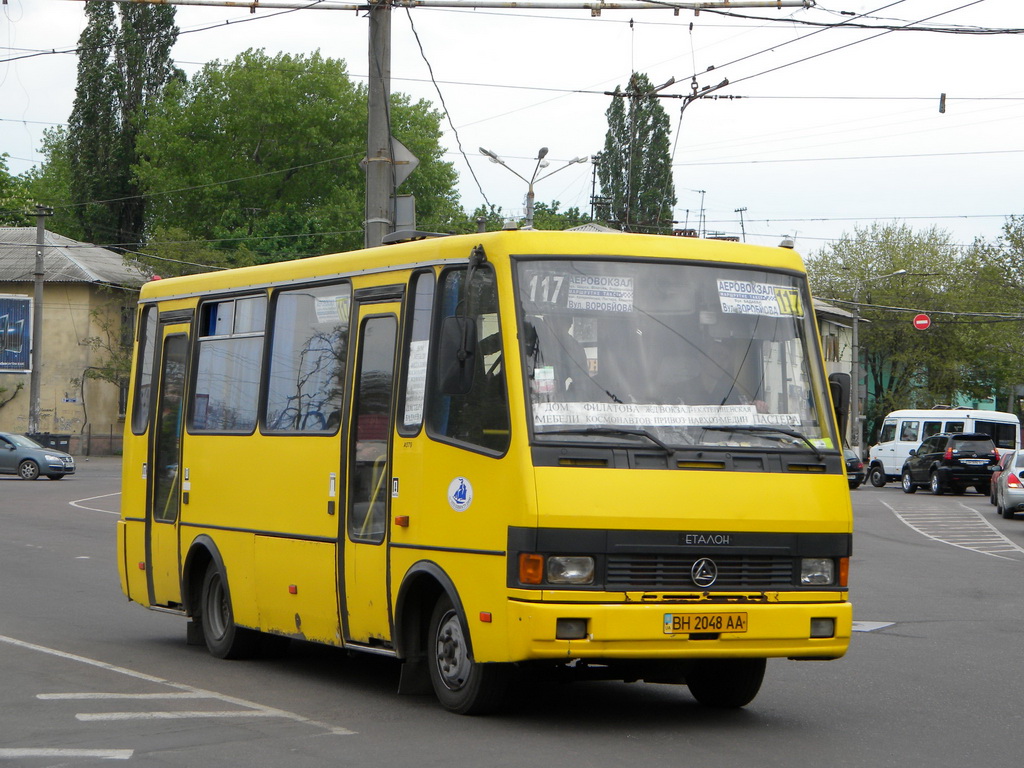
(959, 526)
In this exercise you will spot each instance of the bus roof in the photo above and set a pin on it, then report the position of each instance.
(457, 247)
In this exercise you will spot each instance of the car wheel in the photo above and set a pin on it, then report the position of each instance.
(936, 485)
(877, 476)
(28, 470)
(908, 484)
(854, 485)
(55, 477)
(1006, 512)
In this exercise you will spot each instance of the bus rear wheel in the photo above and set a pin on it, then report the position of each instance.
(726, 683)
(223, 638)
(461, 684)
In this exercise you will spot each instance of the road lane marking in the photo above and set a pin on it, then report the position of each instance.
(80, 505)
(246, 706)
(92, 717)
(964, 528)
(871, 626)
(37, 752)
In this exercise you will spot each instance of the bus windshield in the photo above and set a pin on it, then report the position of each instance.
(671, 354)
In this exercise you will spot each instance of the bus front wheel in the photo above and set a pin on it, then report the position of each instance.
(726, 683)
(223, 638)
(461, 684)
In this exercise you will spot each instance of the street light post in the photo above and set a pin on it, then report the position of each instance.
(541, 163)
(855, 415)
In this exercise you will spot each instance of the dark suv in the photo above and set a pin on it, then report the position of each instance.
(951, 462)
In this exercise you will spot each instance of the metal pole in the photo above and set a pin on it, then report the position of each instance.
(37, 323)
(855, 395)
(379, 167)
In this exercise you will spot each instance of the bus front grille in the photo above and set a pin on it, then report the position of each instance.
(638, 571)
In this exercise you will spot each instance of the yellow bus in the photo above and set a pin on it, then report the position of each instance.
(602, 455)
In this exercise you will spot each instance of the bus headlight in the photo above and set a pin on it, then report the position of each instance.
(817, 571)
(570, 569)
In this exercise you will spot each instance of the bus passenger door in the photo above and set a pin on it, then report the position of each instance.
(163, 469)
(366, 610)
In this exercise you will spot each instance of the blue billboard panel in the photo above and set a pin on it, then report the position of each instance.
(15, 337)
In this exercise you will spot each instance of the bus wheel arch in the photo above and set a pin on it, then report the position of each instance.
(208, 601)
(428, 608)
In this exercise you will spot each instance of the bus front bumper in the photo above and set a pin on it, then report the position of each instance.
(819, 630)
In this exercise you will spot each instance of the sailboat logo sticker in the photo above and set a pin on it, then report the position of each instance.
(460, 494)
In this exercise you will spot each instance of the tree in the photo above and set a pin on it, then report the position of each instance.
(635, 167)
(13, 198)
(903, 367)
(259, 157)
(122, 69)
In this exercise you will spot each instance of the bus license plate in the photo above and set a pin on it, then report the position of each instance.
(687, 623)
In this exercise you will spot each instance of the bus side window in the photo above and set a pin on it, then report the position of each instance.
(932, 428)
(144, 381)
(308, 354)
(414, 376)
(479, 417)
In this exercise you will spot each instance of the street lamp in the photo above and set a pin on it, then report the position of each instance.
(855, 417)
(534, 178)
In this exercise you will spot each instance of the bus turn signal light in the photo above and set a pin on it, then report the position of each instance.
(531, 568)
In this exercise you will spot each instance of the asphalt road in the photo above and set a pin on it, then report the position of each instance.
(933, 676)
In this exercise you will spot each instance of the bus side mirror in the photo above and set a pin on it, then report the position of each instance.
(839, 386)
(456, 358)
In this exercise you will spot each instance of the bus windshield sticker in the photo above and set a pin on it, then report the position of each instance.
(746, 297)
(600, 293)
(651, 415)
(331, 309)
(416, 383)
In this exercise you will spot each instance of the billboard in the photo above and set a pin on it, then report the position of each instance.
(15, 334)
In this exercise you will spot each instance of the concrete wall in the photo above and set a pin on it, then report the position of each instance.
(70, 403)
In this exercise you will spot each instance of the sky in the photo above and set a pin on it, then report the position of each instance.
(823, 129)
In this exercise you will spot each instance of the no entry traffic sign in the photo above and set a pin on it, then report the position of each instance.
(922, 322)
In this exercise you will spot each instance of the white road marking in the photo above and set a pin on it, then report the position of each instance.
(79, 503)
(92, 717)
(246, 708)
(102, 754)
(871, 626)
(960, 526)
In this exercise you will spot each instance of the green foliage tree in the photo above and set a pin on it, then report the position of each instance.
(13, 198)
(545, 216)
(50, 184)
(903, 367)
(259, 158)
(635, 167)
(124, 64)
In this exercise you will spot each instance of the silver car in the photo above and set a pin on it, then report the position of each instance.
(28, 459)
(1009, 486)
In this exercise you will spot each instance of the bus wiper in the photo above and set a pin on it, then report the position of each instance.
(761, 429)
(614, 431)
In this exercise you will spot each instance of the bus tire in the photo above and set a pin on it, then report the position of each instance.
(461, 685)
(224, 639)
(726, 683)
(877, 476)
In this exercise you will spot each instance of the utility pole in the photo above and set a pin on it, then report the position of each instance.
(743, 230)
(380, 187)
(37, 322)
